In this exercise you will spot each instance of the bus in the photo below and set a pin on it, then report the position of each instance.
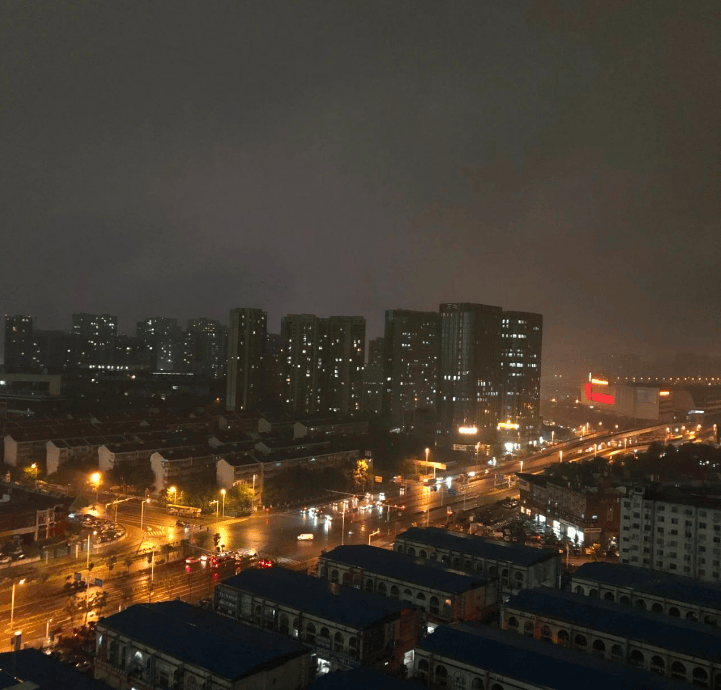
(183, 511)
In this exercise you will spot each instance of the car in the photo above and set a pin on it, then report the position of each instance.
(307, 536)
(204, 558)
(181, 523)
(265, 563)
(4, 559)
(192, 559)
(83, 666)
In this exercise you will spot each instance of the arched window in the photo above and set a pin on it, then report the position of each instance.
(479, 566)
(690, 616)
(399, 548)
(394, 592)
(113, 652)
(640, 604)
(434, 556)
(658, 665)
(356, 581)
(324, 572)
(408, 596)
(310, 633)
(678, 670)
(700, 677)
(636, 658)
(504, 574)
(296, 627)
(528, 628)
(563, 639)
(353, 647)
(580, 590)
(709, 620)
(411, 551)
(423, 553)
(420, 596)
(346, 578)
(435, 605)
(382, 589)
(546, 634)
(441, 676)
(338, 642)
(456, 561)
(191, 683)
(369, 585)
(518, 577)
(617, 651)
(657, 608)
(593, 593)
(492, 571)
(476, 684)
(624, 600)
(513, 623)
(423, 670)
(673, 611)
(467, 564)
(283, 624)
(608, 596)
(334, 575)
(324, 632)
(580, 641)
(444, 559)
(599, 646)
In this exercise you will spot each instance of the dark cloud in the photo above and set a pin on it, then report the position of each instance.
(184, 158)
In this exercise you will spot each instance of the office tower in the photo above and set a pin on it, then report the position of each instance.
(674, 529)
(96, 335)
(470, 370)
(204, 348)
(373, 381)
(163, 337)
(246, 347)
(521, 341)
(20, 355)
(346, 357)
(304, 340)
(412, 341)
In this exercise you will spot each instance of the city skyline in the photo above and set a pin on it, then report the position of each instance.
(338, 159)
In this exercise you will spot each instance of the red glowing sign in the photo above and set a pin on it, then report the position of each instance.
(605, 398)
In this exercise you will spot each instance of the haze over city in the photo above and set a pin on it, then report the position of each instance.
(336, 158)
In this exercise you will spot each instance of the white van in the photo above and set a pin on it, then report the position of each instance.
(308, 536)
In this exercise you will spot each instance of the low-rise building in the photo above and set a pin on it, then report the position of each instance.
(31, 515)
(443, 595)
(683, 650)
(329, 426)
(171, 644)
(672, 595)
(182, 465)
(345, 627)
(516, 567)
(485, 658)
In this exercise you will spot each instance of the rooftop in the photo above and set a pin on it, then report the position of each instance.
(652, 582)
(470, 544)
(48, 674)
(405, 568)
(202, 638)
(360, 679)
(345, 605)
(683, 636)
(532, 661)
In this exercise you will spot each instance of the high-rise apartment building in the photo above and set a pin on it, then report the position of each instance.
(204, 351)
(163, 337)
(346, 357)
(470, 379)
(412, 343)
(96, 335)
(20, 355)
(521, 342)
(246, 346)
(373, 379)
(304, 343)
(675, 530)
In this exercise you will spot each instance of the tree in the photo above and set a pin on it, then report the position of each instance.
(111, 561)
(128, 562)
(73, 607)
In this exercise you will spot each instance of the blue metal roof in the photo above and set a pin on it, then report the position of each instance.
(483, 548)
(653, 582)
(311, 595)
(696, 639)
(202, 638)
(402, 567)
(532, 661)
(47, 673)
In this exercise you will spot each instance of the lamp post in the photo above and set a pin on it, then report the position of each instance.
(172, 490)
(34, 466)
(560, 456)
(428, 450)
(12, 602)
(95, 481)
(252, 508)
(222, 493)
(217, 504)
(142, 511)
(87, 560)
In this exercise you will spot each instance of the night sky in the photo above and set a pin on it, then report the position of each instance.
(179, 159)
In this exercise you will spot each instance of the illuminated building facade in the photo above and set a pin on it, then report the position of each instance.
(373, 379)
(412, 348)
(19, 344)
(346, 357)
(163, 338)
(96, 335)
(246, 347)
(204, 348)
(470, 382)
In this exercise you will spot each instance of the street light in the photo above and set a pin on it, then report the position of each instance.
(217, 503)
(34, 466)
(12, 602)
(95, 481)
(87, 561)
(222, 493)
(174, 491)
(142, 509)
